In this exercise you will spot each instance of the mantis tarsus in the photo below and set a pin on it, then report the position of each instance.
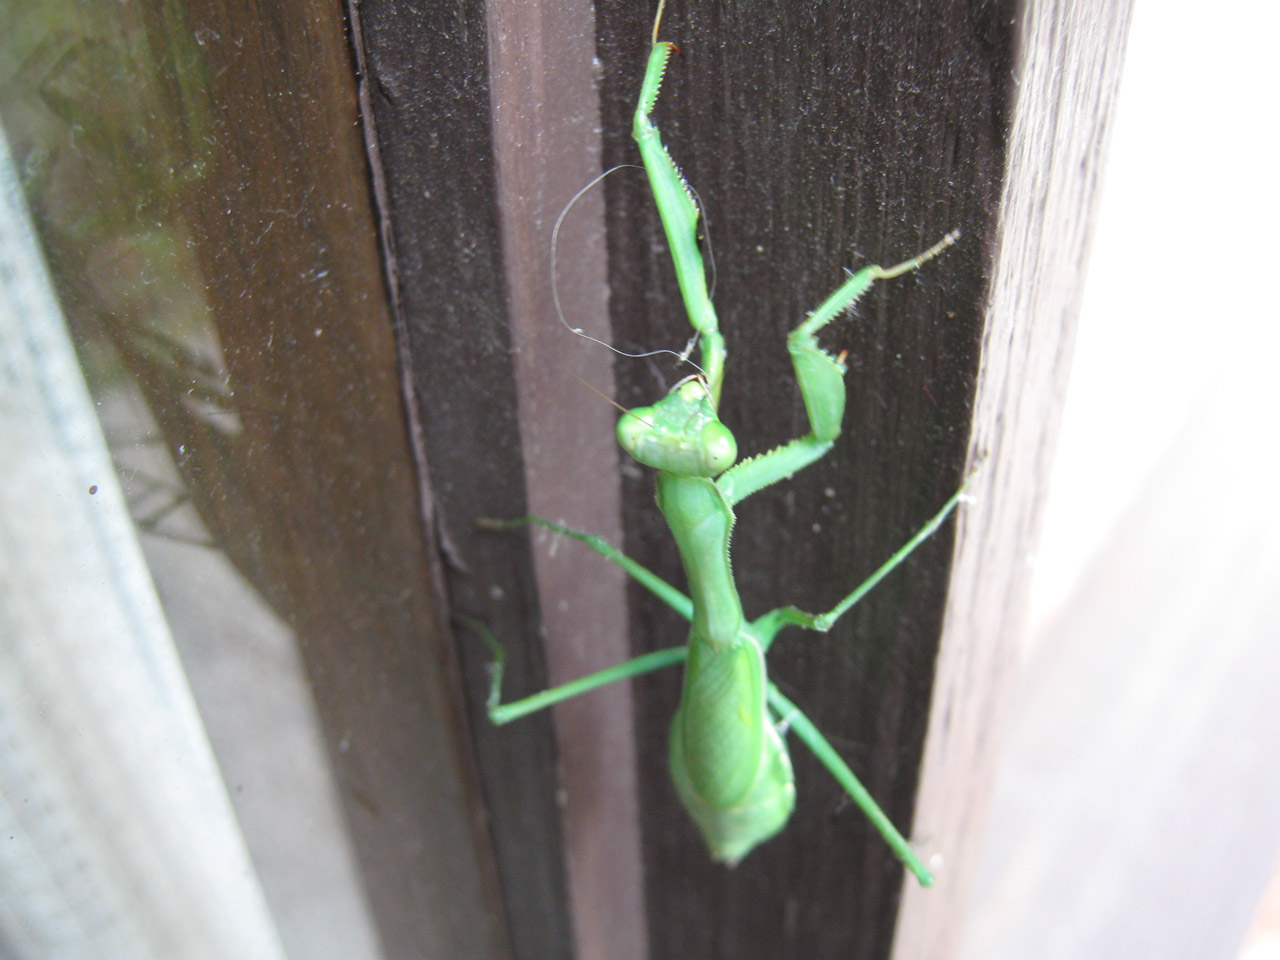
(727, 756)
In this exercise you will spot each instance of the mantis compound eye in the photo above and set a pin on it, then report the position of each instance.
(719, 448)
(635, 427)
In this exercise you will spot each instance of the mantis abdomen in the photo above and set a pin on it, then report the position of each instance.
(729, 765)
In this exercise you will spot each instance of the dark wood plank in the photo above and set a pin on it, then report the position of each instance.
(429, 97)
(819, 138)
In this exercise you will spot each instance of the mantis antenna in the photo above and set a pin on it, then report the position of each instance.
(682, 356)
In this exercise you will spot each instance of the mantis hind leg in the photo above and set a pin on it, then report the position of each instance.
(790, 717)
(826, 754)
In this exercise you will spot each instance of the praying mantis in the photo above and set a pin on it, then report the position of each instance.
(727, 754)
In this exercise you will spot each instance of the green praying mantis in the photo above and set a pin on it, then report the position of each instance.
(728, 758)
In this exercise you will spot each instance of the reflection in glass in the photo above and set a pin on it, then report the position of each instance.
(109, 109)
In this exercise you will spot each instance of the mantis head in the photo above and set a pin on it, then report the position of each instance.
(680, 434)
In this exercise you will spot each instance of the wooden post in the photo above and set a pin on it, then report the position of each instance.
(819, 139)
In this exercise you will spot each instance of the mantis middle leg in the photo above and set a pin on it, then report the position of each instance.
(501, 713)
(767, 626)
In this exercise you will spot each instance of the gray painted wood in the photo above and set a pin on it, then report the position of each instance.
(1067, 73)
(1136, 810)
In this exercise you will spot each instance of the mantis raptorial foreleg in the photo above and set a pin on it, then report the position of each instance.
(727, 757)
(821, 380)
